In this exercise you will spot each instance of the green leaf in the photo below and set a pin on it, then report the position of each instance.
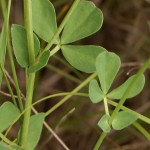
(103, 123)
(44, 19)
(8, 113)
(82, 57)
(123, 120)
(40, 62)
(118, 92)
(84, 21)
(35, 129)
(107, 66)
(3, 146)
(95, 93)
(20, 45)
(3, 43)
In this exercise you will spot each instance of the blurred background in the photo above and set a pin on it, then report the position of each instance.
(126, 32)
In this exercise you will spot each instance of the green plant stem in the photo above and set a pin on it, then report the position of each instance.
(84, 83)
(4, 9)
(106, 106)
(6, 139)
(99, 141)
(54, 50)
(28, 25)
(31, 78)
(123, 99)
(10, 55)
(27, 113)
(141, 117)
(63, 73)
(60, 94)
(63, 23)
(142, 130)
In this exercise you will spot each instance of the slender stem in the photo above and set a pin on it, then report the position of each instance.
(6, 139)
(28, 104)
(55, 50)
(123, 99)
(60, 94)
(84, 83)
(48, 97)
(99, 141)
(10, 55)
(28, 25)
(141, 117)
(106, 106)
(31, 78)
(142, 130)
(46, 125)
(4, 9)
(63, 23)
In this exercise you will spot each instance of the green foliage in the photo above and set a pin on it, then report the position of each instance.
(82, 57)
(123, 120)
(84, 21)
(40, 62)
(44, 19)
(119, 91)
(103, 123)
(8, 113)
(95, 93)
(20, 46)
(35, 129)
(107, 67)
